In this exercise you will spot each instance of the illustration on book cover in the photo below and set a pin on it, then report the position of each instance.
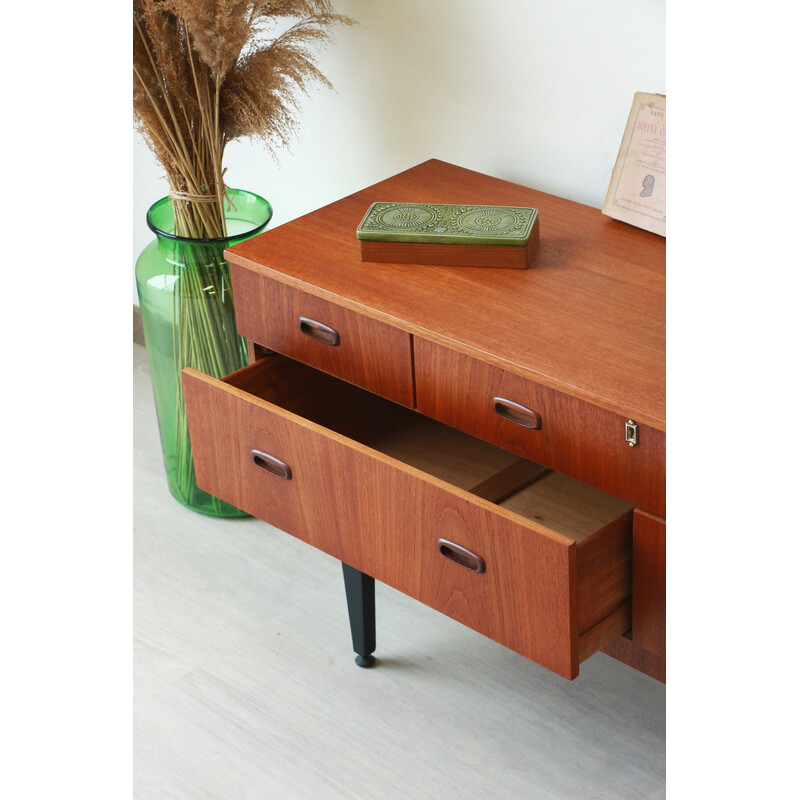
(638, 188)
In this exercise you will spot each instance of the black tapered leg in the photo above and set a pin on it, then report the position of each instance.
(360, 591)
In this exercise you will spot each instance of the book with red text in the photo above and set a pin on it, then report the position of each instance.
(637, 193)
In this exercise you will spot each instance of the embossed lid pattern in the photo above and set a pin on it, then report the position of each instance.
(432, 223)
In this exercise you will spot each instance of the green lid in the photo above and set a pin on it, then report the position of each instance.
(432, 223)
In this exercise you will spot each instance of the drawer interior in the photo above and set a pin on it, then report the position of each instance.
(558, 502)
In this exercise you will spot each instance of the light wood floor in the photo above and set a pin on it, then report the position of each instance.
(245, 686)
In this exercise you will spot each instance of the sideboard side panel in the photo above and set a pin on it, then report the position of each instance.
(646, 649)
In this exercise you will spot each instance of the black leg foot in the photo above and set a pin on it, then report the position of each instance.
(360, 591)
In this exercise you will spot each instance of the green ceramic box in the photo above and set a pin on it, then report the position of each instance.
(431, 223)
(449, 235)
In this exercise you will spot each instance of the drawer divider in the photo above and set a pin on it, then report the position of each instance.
(506, 483)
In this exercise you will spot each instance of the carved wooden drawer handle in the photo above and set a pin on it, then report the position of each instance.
(466, 558)
(516, 413)
(271, 464)
(323, 334)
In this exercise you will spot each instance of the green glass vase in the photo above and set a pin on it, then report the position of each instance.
(189, 321)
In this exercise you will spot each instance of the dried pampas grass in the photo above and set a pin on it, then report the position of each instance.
(206, 72)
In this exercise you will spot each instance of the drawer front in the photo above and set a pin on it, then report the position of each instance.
(388, 520)
(336, 340)
(563, 433)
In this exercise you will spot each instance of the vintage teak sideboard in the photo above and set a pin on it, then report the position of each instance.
(490, 442)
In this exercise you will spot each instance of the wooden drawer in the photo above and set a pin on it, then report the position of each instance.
(568, 435)
(542, 566)
(336, 340)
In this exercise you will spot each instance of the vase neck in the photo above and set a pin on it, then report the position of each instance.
(245, 215)
(190, 252)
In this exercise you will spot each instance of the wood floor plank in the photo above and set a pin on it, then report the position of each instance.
(245, 686)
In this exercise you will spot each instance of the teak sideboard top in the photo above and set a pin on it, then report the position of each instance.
(587, 319)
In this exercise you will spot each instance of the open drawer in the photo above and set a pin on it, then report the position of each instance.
(531, 558)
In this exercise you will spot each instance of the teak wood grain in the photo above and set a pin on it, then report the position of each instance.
(509, 481)
(645, 647)
(588, 319)
(604, 576)
(385, 517)
(369, 353)
(649, 582)
(576, 438)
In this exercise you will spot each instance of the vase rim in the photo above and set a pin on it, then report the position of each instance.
(219, 240)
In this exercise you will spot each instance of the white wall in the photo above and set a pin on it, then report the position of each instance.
(533, 91)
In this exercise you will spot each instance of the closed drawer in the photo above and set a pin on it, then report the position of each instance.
(336, 340)
(555, 429)
(526, 556)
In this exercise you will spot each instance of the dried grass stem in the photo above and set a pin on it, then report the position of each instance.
(207, 72)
